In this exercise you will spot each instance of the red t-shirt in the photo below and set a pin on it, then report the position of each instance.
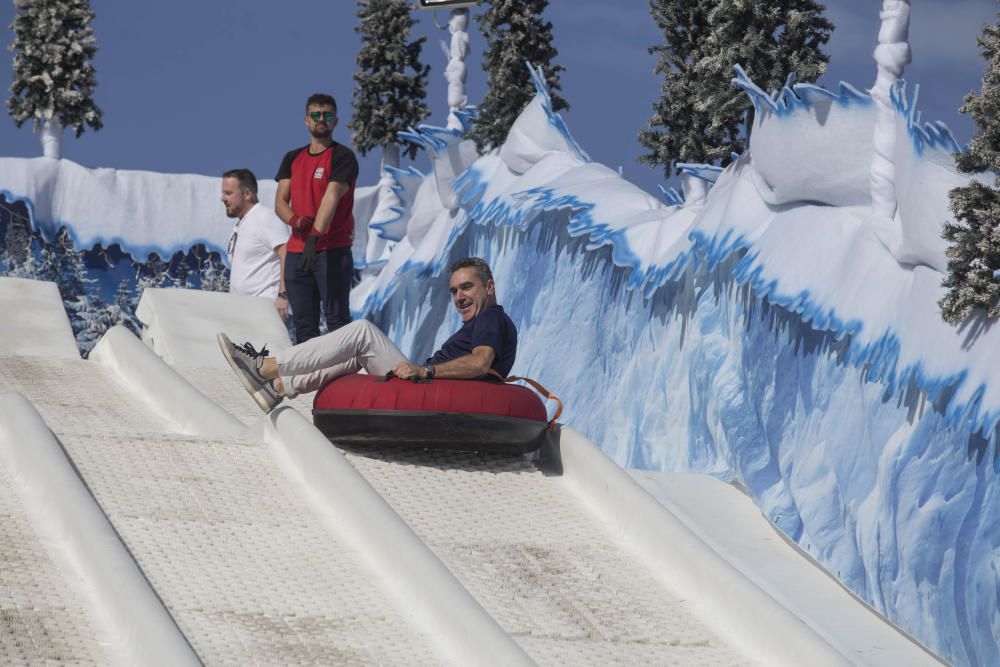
(309, 176)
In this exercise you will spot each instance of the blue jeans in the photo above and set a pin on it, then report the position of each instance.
(328, 284)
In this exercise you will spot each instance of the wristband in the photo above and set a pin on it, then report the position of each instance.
(282, 295)
(429, 371)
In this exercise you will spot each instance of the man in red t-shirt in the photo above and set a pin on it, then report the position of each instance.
(316, 199)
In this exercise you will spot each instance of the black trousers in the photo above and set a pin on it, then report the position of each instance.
(329, 284)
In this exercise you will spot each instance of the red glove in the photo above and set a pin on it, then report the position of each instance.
(301, 223)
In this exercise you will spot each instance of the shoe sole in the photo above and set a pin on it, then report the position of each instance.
(226, 346)
(263, 403)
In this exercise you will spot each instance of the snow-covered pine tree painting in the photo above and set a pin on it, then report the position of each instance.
(212, 270)
(63, 264)
(974, 253)
(53, 78)
(390, 83)
(516, 33)
(154, 273)
(84, 277)
(700, 114)
(121, 310)
(17, 258)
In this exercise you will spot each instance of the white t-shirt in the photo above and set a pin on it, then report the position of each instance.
(255, 267)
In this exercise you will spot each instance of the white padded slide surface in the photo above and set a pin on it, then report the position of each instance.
(227, 392)
(729, 522)
(42, 620)
(77, 396)
(538, 563)
(34, 320)
(248, 571)
(241, 560)
(180, 324)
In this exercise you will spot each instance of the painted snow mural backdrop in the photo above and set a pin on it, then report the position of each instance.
(100, 286)
(775, 332)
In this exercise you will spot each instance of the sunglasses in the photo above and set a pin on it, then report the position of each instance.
(232, 243)
(322, 115)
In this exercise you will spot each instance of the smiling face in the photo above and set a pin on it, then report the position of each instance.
(237, 201)
(327, 120)
(469, 294)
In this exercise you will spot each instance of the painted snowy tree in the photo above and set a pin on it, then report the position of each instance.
(53, 79)
(121, 310)
(63, 264)
(700, 114)
(179, 270)
(516, 34)
(213, 274)
(974, 253)
(391, 83)
(153, 273)
(17, 259)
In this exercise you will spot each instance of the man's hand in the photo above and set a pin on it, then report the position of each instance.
(308, 259)
(281, 304)
(301, 223)
(406, 370)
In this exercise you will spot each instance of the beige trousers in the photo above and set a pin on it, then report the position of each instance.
(360, 344)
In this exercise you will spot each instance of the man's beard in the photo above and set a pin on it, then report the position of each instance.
(321, 132)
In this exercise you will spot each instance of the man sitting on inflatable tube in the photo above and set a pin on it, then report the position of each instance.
(487, 340)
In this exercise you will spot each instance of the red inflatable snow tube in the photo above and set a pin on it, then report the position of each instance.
(468, 415)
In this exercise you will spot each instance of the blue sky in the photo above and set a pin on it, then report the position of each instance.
(200, 87)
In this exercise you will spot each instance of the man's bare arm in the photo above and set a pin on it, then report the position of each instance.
(465, 367)
(282, 201)
(328, 205)
(281, 303)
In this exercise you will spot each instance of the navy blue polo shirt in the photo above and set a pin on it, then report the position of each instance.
(491, 327)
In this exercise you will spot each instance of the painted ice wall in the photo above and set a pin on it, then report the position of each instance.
(105, 234)
(779, 333)
(776, 332)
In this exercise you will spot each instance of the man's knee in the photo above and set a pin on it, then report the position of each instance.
(362, 330)
(363, 326)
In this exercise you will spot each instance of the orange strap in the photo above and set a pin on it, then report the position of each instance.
(540, 389)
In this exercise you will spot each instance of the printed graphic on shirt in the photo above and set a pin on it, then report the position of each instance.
(318, 174)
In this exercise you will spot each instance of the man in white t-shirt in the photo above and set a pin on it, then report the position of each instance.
(257, 246)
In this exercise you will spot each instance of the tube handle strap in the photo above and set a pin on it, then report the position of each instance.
(537, 386)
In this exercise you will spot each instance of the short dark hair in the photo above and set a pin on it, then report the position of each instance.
(480, 265)
(321, 99)
(245, 178)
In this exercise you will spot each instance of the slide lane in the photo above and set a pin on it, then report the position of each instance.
(242, 560)
(42, 617)
(238, 559)
(582, 565)
(539, 563)
(43, 329)
(66, 519)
